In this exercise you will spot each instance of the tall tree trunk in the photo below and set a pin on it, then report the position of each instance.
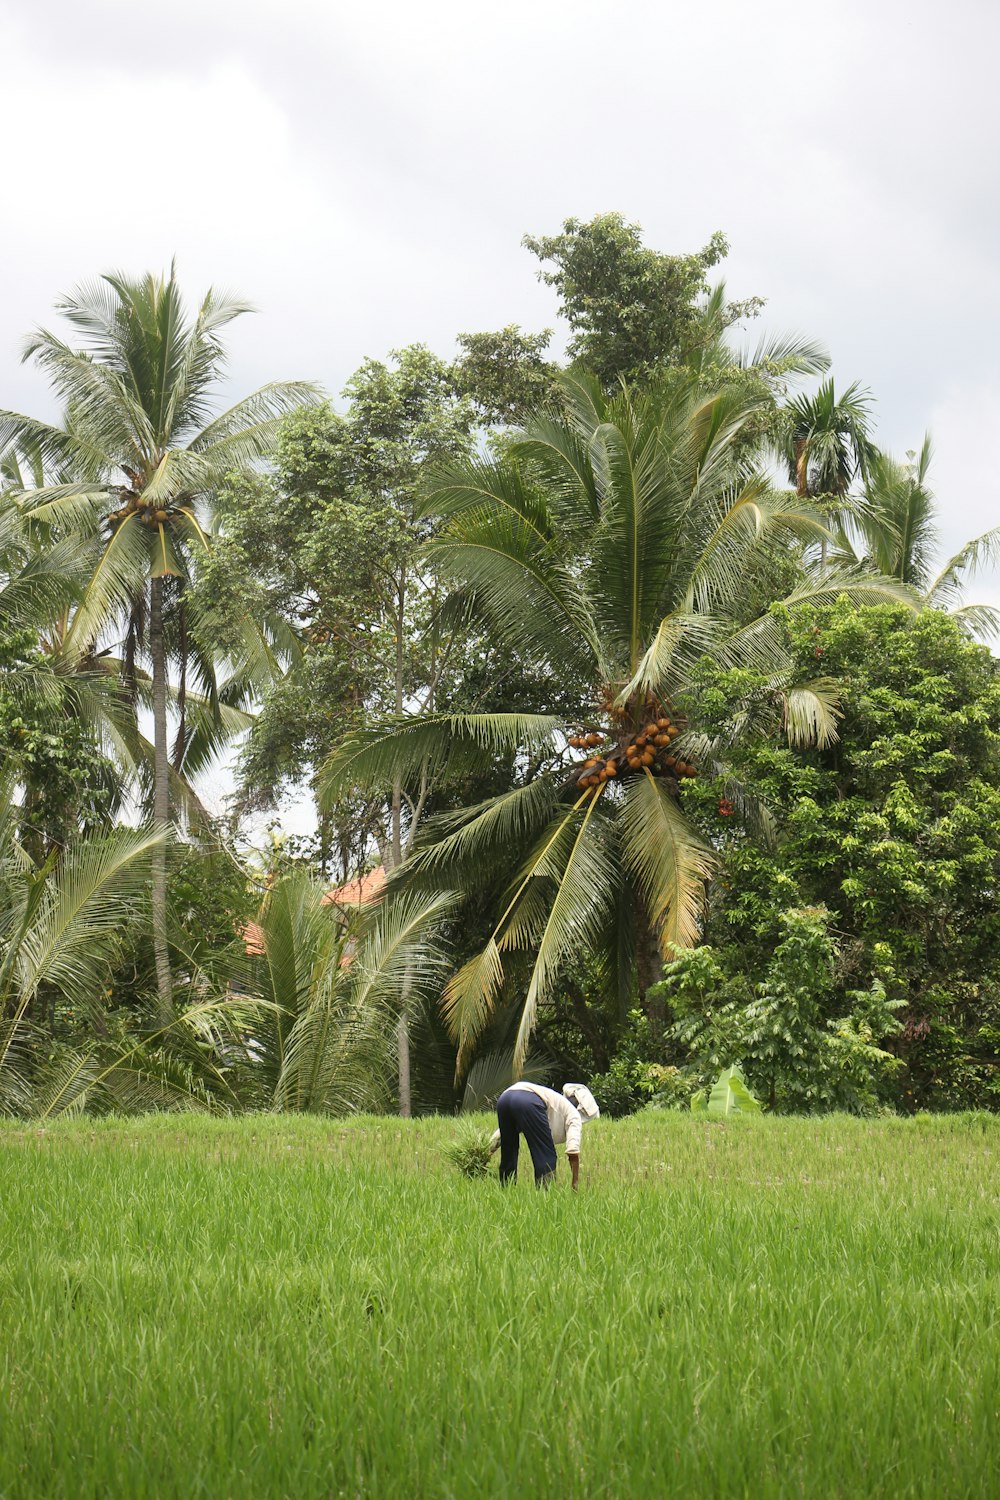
(161, 799)
(403, 1028)
(649, 969)
(801, 468)
(403, 1050)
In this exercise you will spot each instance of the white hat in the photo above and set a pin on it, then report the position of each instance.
(582, 1099)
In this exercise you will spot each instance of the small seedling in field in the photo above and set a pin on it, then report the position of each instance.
(470, 1152)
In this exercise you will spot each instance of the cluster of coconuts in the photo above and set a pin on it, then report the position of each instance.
(148, 512)
(647, 748)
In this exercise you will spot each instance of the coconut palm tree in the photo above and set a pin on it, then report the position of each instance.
(47, 699)
(324, 996)
(710, 353)
(145, 454)
(62, 924)
(893, 528)
(612, 548)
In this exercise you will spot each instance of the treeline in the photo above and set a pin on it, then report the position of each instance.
(633, 673)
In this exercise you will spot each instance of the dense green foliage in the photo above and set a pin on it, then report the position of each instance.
(609, 546)
(632, 310)
(265, 1307)
(419, 613)
(49, 749)
(332, 542)
(893, 830)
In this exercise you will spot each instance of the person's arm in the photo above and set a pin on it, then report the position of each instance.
(574, 1126)
(495, 1142)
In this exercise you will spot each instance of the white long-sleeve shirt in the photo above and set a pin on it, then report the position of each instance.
(565, 1122)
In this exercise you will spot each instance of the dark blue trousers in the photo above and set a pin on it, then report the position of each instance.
(522, 1113)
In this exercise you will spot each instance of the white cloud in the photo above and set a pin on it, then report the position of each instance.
(964, 475)
(365, 172)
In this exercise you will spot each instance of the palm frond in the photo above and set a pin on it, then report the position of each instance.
(982, 620)
(398, 946)
(471, 995)
(62, 1090)
(668, 860)
(494, 1072)
(811, 713)
(80, 918)
(787, 355)
(679, 640)
(523, 591)
(254, 416)
(121, 573)
(981, 552)
(474, 836)
(440, 743)
(585, 895)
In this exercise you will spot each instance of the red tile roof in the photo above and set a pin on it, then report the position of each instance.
(360, 892)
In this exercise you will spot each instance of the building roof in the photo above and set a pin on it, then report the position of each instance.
(360, 892)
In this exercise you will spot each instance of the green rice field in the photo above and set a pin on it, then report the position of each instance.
(302, 1308)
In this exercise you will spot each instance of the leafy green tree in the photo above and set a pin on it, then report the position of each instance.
(611, 549)
(338, 536)
(146, 455)
(804, 1047)
(632, 310)
(892, 827)
(505, 374)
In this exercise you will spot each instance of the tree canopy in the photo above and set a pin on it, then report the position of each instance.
(637, 671)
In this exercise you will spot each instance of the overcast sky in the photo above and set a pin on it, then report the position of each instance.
(364, 173)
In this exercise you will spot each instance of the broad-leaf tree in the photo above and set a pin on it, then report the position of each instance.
(893, 831)
(632, 310)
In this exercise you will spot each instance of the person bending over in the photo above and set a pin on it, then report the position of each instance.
(545, 1119)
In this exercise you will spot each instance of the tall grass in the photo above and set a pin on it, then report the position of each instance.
(267, 1307)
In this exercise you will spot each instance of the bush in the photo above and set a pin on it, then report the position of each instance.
(634, 1081)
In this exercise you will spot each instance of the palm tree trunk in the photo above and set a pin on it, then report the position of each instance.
(403, 1029)
(161, 799)
(403, 1047)
(649, 969)
(801, 468)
